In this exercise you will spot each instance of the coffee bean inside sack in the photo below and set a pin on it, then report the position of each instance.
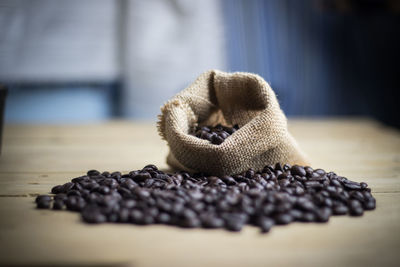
(215, 134)
(272, 196)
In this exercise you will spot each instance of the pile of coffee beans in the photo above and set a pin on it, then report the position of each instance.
(274, 195)
(217, 134)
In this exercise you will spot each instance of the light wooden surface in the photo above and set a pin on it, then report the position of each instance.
(35, 158)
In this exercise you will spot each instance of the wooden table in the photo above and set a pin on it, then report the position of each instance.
(35, 158)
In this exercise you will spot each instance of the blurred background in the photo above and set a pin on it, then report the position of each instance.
(80, 61)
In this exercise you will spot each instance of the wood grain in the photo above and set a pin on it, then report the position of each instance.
(37, 157)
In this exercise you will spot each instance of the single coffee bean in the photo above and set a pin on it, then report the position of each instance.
(57, 189)
(163, 218)
(340, 210)
(211, 221)
(370, 204)
(352, 186)
(93, 173)
(190, 222)
(58, 204)
(103, 190)
(61, 197)
(307, 217)
(43, 204)
(356, 208)
(93, 216)
(298, 170)
(234, 225)
(136, 216)
(323, 214)
(265, 224)
(43, 198)
(283, 218)
(73, 193)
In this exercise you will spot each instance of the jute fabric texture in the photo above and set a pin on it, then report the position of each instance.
(227, 98)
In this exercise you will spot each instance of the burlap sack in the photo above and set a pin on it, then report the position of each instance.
(227, 98)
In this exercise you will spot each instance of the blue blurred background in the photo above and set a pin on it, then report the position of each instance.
(80, 61)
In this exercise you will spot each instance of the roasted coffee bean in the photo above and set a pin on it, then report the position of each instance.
(93, 216)
(296, 214)
(363, 185)
(61, 197)
(370, 204)
(298, 170)
(74, 193)
(163, 217)
(43, 204)
(216, 135)
(340, 210)
(211, 221)
(265, 224)
(58, 204)
(356, 208)
(136, 216)
(283, 218)
(43, 198)
(234, 225)
(93, 173)
(190, 222)
(57, 189)
(352, 185)
(307, 217)
(274, 195)
(322, 215)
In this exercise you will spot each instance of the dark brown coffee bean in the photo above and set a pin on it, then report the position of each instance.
(61, 197)
(313, 184)
(363, 185)
(43, 204)
(296, 214)
(93, 216)
(340, 210)
(278, 167)
(282, 176)
(283, 218)
(74, 193)
(57, 189)
(305, 204)
(265, 224)
(352, 185)
(211, 221)
(309, 171)
(42, 198)
(355, 208)
(323, 214)
(141, 177)
(217, 140)
(228, 180)
(148, 219)
(191, 222)
(298, 170)
(93, 173)
(58, 204)
(66, 187)
(234, 225)
(136, 216)
(103, 190)
(268, 209)
(370, 204)
(321, 172)
(307, 217)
